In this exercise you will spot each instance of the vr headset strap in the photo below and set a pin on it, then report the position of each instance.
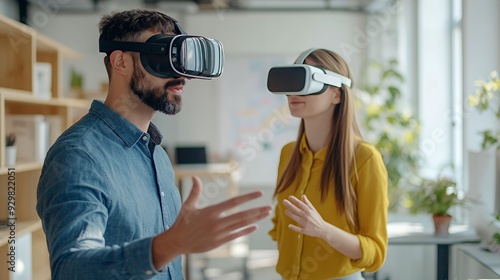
(344, 80)
(147, 48)
(327, 79)
(302, 57)
(177, 28)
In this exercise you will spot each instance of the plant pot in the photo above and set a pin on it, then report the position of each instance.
(493, 247)
(10, 156)
(441, 225)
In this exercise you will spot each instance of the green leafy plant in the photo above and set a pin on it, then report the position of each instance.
(487, 98)
(389, 126)
(496, 236)
(76, 79)
(435, 197)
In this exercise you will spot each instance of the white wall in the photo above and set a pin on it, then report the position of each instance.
(481, 35)
(9, 8)
(481, 55)
(434, 85)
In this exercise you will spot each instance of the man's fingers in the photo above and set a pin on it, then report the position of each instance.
(195, 193)
(244, 218)
(237, 234)
(233, 202)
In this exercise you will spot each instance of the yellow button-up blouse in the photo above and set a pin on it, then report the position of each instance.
(305, 257)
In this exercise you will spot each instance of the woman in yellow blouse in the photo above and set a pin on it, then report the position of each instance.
(331, 213)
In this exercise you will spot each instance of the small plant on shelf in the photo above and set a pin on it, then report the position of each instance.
(10, 149)
(10, 140)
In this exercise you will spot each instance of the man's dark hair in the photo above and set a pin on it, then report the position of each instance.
(129, 25)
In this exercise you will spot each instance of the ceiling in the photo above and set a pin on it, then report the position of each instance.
(364, 6)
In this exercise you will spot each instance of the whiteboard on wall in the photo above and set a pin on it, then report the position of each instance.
(256, 123)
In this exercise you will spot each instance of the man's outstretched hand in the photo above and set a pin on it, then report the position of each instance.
(200, 230)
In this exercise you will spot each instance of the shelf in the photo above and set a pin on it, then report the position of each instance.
(76, 103)
(22, 227)
(23, 52)
(46, 44)
(23, 167)
(10, 26)
(43, 43)
(25, 97)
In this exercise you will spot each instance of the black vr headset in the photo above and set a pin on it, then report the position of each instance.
(303, 79)
(174, 56)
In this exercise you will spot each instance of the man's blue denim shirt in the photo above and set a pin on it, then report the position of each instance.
(106, 189)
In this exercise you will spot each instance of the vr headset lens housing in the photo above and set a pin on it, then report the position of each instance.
(287, 79)
(186, 56)
(173, 56)
(302, 79)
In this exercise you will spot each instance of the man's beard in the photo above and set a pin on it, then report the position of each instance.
(155, 97)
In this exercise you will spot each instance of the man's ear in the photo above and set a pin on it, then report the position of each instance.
(121, 63)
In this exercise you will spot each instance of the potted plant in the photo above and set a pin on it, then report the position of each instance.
(436, 197)
(10, 149)
(76, 84)
(487, 98)
(494, 245)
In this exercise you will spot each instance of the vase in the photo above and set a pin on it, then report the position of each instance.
(493, 247)
(10, 156)
(441, 225)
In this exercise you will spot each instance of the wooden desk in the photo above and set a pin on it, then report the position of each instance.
(227, 170)
(214, 171)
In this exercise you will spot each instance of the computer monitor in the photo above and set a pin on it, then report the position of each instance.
(190, 155)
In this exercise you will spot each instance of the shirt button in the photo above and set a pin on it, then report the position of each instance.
(145, 138)
(162, 194)
(149, 272)
(298, 236)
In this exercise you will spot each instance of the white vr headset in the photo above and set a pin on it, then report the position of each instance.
(303, 79)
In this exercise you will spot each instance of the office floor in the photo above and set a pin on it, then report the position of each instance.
(259, 264)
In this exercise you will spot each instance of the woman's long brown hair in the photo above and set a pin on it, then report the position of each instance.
(344, 138)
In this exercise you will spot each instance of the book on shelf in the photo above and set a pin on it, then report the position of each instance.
(42, 85)
(24, 265)
(55, 128)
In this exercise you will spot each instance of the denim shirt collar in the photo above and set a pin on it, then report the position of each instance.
(124, 129)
